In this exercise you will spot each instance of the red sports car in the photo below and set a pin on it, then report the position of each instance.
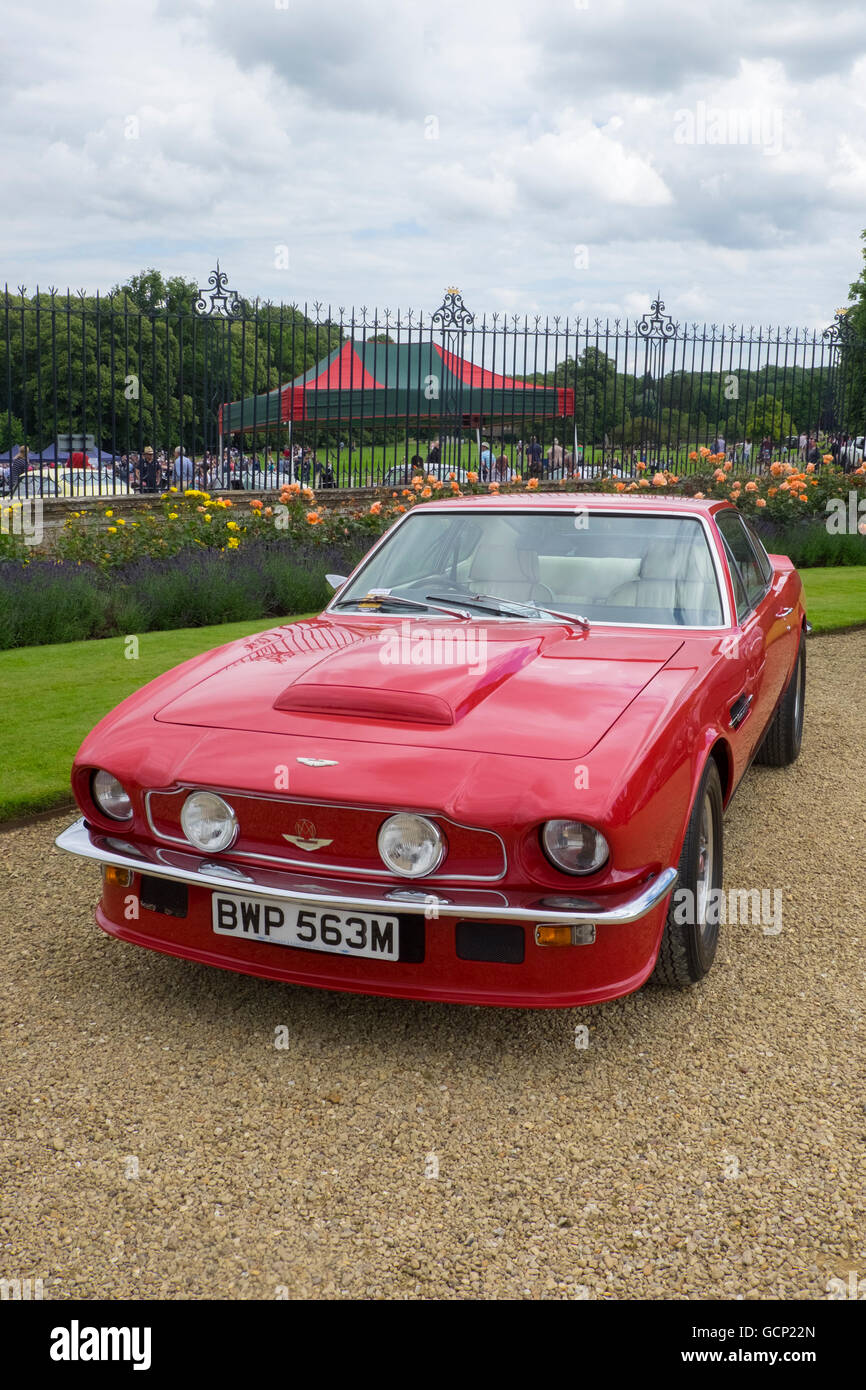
(478, 775)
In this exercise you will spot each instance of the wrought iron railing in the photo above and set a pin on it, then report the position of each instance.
(97, 393)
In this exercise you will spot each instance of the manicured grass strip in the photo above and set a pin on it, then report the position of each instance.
(835, 596)
(52, 696)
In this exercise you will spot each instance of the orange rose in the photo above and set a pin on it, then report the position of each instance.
(760, 502)
(313, 518)
(751, 487)
(699, 494)
(771, 492)
(375, 508)
(426, 492)
(620, 487)
(659, 480)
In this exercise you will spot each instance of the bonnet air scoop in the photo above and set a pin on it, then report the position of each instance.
(395, 706)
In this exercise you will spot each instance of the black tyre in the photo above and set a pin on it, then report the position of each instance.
(691, 933)
(781, 745)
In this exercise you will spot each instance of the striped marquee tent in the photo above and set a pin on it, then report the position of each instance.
(422, 382)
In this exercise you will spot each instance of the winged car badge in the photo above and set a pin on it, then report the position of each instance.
(305, 837)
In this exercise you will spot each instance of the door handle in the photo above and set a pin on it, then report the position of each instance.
(739, 709)
(783, 612)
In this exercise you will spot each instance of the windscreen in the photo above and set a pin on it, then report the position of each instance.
(608, 567)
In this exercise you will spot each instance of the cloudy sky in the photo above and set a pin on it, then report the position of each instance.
(564, 157)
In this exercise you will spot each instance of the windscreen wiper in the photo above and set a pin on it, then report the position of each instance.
(380, 600)
(489, 603)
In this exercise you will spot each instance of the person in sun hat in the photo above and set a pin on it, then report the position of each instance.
(147, 469)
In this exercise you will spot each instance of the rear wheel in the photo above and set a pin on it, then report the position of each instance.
(691, 932)
(781, 745)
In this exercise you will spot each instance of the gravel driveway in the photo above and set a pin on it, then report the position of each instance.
(156, 1142)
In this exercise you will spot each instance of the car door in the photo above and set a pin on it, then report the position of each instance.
(762, 631)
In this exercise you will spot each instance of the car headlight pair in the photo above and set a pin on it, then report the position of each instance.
(412, 846)
(207, 820)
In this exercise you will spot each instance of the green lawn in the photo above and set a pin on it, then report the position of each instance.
(51, 696)
(835, 596)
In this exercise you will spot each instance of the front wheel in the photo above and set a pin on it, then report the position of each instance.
(691, 932)
(781, 745)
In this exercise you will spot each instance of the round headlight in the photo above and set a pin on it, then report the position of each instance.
(411, 845)
(574, 847)
(110, 796)
(208, 822)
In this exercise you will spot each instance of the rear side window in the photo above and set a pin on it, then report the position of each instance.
(754, 580)
(758, 547)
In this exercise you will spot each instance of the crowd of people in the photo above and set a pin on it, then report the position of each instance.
(150, 470)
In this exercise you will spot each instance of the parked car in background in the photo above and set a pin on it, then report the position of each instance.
(492, 771)
(92, 482)
(36, 482)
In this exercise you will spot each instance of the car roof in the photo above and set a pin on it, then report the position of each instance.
(597, 501)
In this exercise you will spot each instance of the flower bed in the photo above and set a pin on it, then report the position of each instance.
(190, 559)
(779, 497)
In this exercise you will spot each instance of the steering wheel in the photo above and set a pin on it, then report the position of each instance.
(541, 594)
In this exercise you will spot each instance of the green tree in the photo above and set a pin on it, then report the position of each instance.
(11, 431)
(768, 419)
(138, 366)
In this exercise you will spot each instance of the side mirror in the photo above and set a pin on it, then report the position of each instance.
(336, 581)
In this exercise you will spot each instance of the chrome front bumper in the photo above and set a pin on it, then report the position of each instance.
(482, 904)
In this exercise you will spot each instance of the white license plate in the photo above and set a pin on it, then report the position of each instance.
(308, 925)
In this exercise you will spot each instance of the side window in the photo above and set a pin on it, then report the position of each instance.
(740, 547)
(758, 547)
(741, 598)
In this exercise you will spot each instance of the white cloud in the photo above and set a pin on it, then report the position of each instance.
(306, 127)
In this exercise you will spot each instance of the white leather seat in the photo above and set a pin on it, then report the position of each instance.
(509, 573)
(677, 577)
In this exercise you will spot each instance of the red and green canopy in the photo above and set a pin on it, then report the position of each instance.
(387, 381)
